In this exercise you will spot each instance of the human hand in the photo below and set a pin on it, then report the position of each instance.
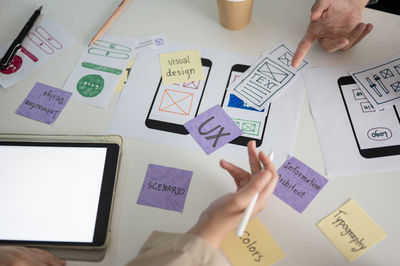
(22, 256)
(335, 24)
(224, 214)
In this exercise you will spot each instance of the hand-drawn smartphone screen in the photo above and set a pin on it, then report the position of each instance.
(251, 121)
(173, 105)
(377, 132)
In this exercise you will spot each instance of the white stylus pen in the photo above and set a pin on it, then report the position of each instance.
(249, 210)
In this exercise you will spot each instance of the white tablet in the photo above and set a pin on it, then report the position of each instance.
(56, 193)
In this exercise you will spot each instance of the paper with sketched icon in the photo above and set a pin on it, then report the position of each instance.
(267, 78)
(99, 70)
(380, 82)
(46, 40)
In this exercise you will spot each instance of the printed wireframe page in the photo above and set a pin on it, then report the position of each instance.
(267, 78)
(380, 82)
(45, 41)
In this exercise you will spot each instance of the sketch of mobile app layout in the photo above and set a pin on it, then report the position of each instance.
(175, 104)
(45, 41)
(267, 78)
(99, 70)
(250, 120)
(374, 130)
(380, 82)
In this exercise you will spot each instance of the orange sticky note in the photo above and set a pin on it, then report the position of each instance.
(255, 247)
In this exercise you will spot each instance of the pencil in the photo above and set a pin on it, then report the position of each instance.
(109, 20)
(249, 210)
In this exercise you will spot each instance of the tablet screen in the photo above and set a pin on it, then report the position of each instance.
(53, 193)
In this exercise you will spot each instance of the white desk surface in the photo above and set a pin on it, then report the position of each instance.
(196, 22)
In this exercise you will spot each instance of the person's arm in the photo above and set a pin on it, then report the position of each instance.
(199, 246)
(22, 256)
(336, 24)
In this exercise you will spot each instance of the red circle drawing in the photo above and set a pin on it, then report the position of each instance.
(14, 66)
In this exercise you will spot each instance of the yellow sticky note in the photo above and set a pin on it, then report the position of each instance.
(351, 230)
(179, 67)
(255, 247)
(124, 77)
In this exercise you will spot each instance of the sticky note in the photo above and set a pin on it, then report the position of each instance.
(351, 230)
(255, 247)
(212, 129)
(124, 77)
(165, 187)
(298, 184)
(179, 67)
(44, 103)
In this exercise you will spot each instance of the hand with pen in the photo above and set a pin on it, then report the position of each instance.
(224, 214)
(336, 24)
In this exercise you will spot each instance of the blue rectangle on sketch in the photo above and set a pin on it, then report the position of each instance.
(236, 102)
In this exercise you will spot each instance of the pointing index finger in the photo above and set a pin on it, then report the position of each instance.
(302, 48)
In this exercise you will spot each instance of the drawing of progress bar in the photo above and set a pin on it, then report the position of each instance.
(378, 79)
(111, 70)
(373, 86)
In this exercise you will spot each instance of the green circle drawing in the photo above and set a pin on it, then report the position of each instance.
(90, 85)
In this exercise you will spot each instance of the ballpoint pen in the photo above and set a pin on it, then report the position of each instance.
(16, 45)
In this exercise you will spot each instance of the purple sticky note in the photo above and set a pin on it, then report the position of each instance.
(44, 103)
(298, 184)
(212, 129)
(165, 187)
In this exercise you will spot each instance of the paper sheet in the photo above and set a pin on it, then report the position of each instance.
(165, 187)
(267, 78)
(182, 66)
(351, 230)
(99, 69)
(380, 82)
(150, 42)
(255, 247)
(354, 137)
(213, 129)
(45, 41)
(298, 184)
(44, 103)
(142, 113)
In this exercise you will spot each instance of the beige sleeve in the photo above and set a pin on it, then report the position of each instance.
(172, 249)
